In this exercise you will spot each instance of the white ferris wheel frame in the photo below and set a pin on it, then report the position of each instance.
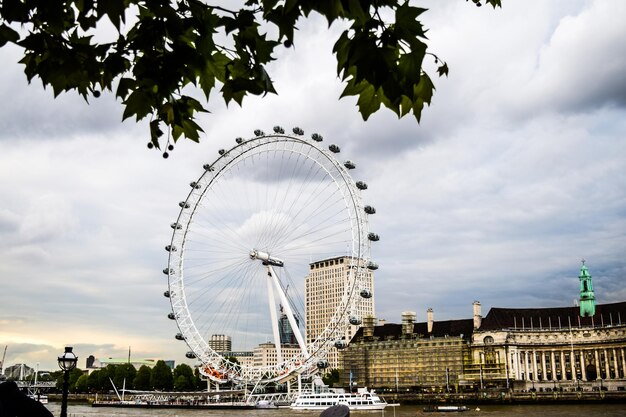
(214, 365)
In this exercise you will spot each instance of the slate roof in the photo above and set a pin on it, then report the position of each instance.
(440, 329)
(552, 318)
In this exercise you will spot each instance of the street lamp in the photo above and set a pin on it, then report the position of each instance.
(67, 362)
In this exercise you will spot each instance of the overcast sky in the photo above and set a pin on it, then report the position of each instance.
(516, 173)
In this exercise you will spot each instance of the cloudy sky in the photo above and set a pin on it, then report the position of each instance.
(516, 173)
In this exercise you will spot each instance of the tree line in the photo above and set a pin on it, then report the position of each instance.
(161, 378)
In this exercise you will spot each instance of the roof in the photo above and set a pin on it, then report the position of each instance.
(552, 318)
(462, 328)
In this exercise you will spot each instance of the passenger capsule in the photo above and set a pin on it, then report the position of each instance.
(239, 140)
(166, 294)
(340, 344)
(176, 226)
(171, 316)
(168, 271)
(322, 364)
(366, 293)
(355, 320)
(208, 167)
(184, 204)
(170, 248)
(317, 137)
(259, 132)
(349, 165)
(298, 131)
(190, 355)
(195, 185)
(373, 237)
(370, 210)
(373, 266)
(222, 151)
(179, 336)
(334, 148)
(279, 129)
(361, 185)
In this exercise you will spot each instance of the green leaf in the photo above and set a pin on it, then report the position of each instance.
(8, 35)
(443, 70)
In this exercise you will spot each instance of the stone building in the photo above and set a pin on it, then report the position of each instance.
(410, 356)
(563, 348)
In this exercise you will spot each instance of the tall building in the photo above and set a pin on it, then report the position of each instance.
(285, 332)
(220, 343)
(324, 288)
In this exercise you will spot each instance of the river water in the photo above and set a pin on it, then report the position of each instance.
(556, 410)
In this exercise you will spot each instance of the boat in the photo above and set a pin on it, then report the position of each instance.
(320, 397)
(445, 408)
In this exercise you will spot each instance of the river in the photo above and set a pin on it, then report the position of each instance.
(556, 410)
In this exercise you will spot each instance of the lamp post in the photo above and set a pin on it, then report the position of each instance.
(67, 362)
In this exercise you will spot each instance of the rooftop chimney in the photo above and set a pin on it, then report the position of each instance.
(477, 316)
(368, 326)
(429, 319)
(408, 318)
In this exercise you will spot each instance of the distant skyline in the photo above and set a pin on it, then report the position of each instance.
(516, 173)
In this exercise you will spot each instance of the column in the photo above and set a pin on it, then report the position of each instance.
(607, 368)
(526, 374)
(534, 364)
(595, 352)
(553, 364)
(572, 364)
(623, 362)
(583, 371)
(615, 365)
(544, 374)
(563, 377)
(518, 363)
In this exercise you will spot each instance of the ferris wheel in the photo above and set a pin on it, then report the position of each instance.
(247, 235)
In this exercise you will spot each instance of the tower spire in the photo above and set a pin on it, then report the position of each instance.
(587, 297)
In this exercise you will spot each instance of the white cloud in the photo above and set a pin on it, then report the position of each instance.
(516, 172)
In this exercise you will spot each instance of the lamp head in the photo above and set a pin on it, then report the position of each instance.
(68, 360)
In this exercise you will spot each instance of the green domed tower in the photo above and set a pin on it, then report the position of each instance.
(587, 298)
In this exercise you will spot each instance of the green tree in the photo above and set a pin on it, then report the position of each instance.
(124, 376)
(93, 381)
(142, 379)
(82, 384)
(183, 378)
(162, 378)
(198, 383)
(331, 378)
(164, 47)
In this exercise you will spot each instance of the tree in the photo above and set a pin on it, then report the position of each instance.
(82, 384)
(162, 378)
(331, 378)
(175, 45)
(124, 376)
(142, 379)
(93, 381)
(183, 378)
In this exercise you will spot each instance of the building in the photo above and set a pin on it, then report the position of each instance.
(522, 349)
(324, 288)
(427, 356)
(136, 362)
(553, 347)
(220, 343)
(265, 354)
(286, 334)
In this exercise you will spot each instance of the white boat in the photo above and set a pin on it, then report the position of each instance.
(320, 397)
